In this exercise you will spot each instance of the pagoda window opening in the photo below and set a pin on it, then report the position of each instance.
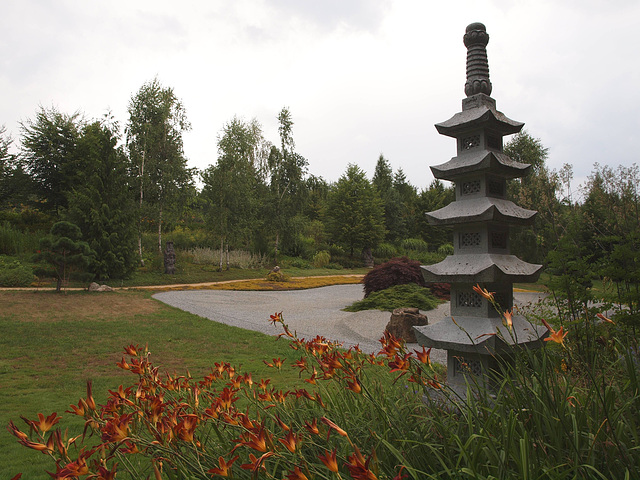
(494, 142)
(463, 365)
(470, 142)
(469, 239)
(469, 300)
(469, 188)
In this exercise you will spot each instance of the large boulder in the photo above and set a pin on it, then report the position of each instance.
(402, 322)
(95, 287)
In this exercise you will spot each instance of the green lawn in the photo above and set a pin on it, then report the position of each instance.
(52, 343)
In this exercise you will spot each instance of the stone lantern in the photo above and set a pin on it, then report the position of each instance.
(475, 335)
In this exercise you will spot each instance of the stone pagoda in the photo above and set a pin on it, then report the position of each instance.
(475, 334)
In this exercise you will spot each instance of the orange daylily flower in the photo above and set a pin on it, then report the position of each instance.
(276, 317)
(72, 470)
(312, 427)
(400, 476)
(123, 364)
(333, 426)
(116, 429)
(390, 345)
(130, 448)
(312, 379)
(602, 317)
(132, 350)
(282, 425)
(329, 460)
(79, 410)
(224, 468)
(290, 441)
(43, 424)
(424, 356)
(483, 292)
(256, 463)
(358, 467)
(400, 364)
(277, 363)
(297, 475)
(508, 317)
(104, 474)
(354, 385)
(90, 401)
(257, 442)
(558, 336)
(23, 439)
(301, 364)
(187, 427)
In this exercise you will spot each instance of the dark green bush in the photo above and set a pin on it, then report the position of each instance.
(334, 266)
(299, 263)
(14, 274)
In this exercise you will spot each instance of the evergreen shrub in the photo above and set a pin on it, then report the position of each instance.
(397, 271)
(408, 295)
(298, 262)
(14, 274)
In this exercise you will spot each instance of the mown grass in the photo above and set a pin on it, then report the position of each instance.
(52, 344)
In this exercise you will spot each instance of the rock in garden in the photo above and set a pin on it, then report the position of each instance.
(402, 322)
(95, 287)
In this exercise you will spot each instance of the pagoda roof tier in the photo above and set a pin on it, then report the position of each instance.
(483, 116)
(481, 268)
(480, 161)
(481, 209)
(479, 334)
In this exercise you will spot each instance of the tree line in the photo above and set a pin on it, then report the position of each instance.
(120, 184)
(123, 186)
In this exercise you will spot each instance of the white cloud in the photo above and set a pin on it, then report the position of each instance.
(360, 77)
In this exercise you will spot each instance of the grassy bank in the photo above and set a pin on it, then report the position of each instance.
(51, 345)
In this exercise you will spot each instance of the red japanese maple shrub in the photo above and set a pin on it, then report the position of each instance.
(397, 271)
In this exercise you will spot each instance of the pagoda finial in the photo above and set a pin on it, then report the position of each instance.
(476, 39)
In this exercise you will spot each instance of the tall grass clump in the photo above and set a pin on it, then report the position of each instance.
(14, 241)
(237, 258)
(414, 245)
(361, 416)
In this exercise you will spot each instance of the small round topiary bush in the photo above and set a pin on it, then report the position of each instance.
(277, 276)
(397, 271)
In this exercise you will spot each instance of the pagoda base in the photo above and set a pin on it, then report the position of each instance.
(478, 346)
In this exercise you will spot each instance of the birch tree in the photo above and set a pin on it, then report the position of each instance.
(157, 120)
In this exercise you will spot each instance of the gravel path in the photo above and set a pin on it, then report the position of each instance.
(312, 312)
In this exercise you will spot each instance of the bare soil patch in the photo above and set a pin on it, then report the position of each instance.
(50, 306)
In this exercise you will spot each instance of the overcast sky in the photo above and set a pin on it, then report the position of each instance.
(360, 77)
